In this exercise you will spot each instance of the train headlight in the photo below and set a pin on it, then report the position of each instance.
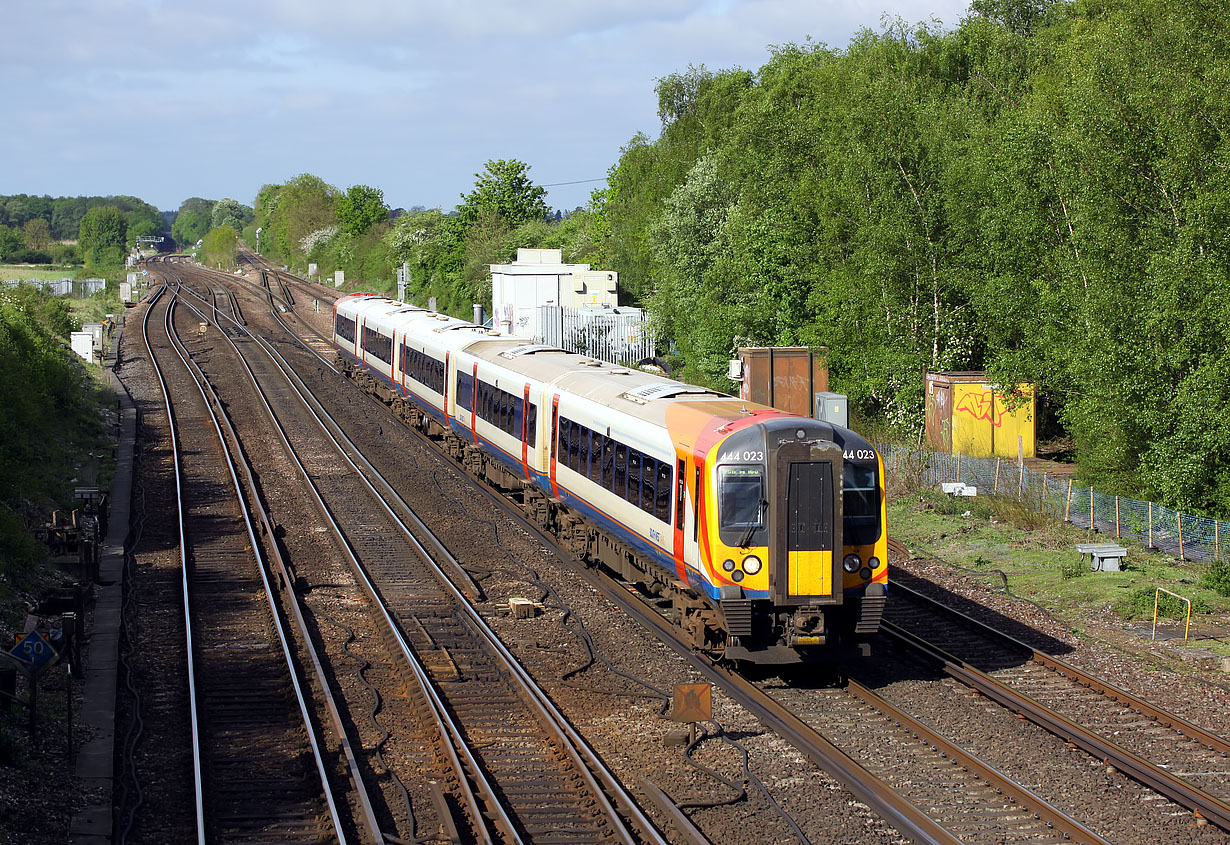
(738, 576)
(728, 565)
(864, 573)
(873, 562)
(851, 563)
(751, 564)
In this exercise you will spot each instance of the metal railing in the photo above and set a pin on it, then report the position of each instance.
(616, 335)
(1185, 536)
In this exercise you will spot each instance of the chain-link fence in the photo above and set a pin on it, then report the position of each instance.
(1195, 538)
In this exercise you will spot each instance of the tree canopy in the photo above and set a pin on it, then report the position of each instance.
(504, 188)
(103, 236)
(361, 208)
(1040, 193)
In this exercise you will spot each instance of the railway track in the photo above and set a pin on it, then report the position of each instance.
(1182, 761)
(970, 799)
(257, 756)
(1018, 815)
(531, 772)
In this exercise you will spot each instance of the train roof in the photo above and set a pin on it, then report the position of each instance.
(628, 390)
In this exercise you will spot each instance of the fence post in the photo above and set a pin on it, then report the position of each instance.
(1067, 509)
(1116, 517)
(1092, 524)
(958, 478)
(1217, 539)
(995, 489)
(1150, 524)
(1181, 555)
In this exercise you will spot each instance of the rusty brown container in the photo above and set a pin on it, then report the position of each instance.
(785, 377)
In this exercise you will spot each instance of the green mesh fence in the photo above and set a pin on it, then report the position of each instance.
(1195, 538)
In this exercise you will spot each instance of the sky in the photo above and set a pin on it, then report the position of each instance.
(167, 99)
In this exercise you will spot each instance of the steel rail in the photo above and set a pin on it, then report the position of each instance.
(583, 756)
(899, 812)
(456, 745)
(356, 777)
(1207, 738)
(193, 715)
(1133, 765)
(195, 718)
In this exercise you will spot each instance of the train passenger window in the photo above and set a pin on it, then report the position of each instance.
(465, 391)
(583, 451)
(344, 326)
(633, 494)
(649, 475)
(740, 497)
(608, 463)
(507, 414)
(567, 443)
(662, 507)
(595, 461)
(696, 506)
(519, 417)
(531, 426)
(621, 469)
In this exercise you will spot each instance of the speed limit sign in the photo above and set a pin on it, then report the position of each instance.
(34, 652)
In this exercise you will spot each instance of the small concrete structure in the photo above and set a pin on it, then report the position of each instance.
(540, 277)
(958, 488)
(1103, 557)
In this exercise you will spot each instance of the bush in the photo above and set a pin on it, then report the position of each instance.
(1217, 577)
(20, 553)
(29, 256)
(1069, 568)
(65, 254)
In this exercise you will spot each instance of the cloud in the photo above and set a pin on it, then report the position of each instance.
(167, 99)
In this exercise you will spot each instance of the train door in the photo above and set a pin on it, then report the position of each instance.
(805, 521)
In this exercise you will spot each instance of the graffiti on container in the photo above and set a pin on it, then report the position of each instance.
(789, 382)
(978, 406)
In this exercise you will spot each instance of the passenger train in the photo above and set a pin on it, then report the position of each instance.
(764, 530)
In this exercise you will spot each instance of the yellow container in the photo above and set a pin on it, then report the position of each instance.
(967, 415)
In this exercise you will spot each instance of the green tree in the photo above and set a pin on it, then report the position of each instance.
(10, 242)
(104, 232)
(228, 212)
(361, 208)
(37, 234)
(290, 213)
(192, 221)
(504, 187)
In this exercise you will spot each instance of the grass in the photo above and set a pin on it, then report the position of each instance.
(21, 271)
(1037, 557)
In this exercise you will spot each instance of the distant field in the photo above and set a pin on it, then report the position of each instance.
(18, 271)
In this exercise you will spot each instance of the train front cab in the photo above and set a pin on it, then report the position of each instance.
(783, 487)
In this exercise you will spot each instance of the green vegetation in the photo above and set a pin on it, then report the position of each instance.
(104, 233)
(50, 418)
(19, 272)
(1217, 578)
(220, 247)
(1040, 193)
(998, 541)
